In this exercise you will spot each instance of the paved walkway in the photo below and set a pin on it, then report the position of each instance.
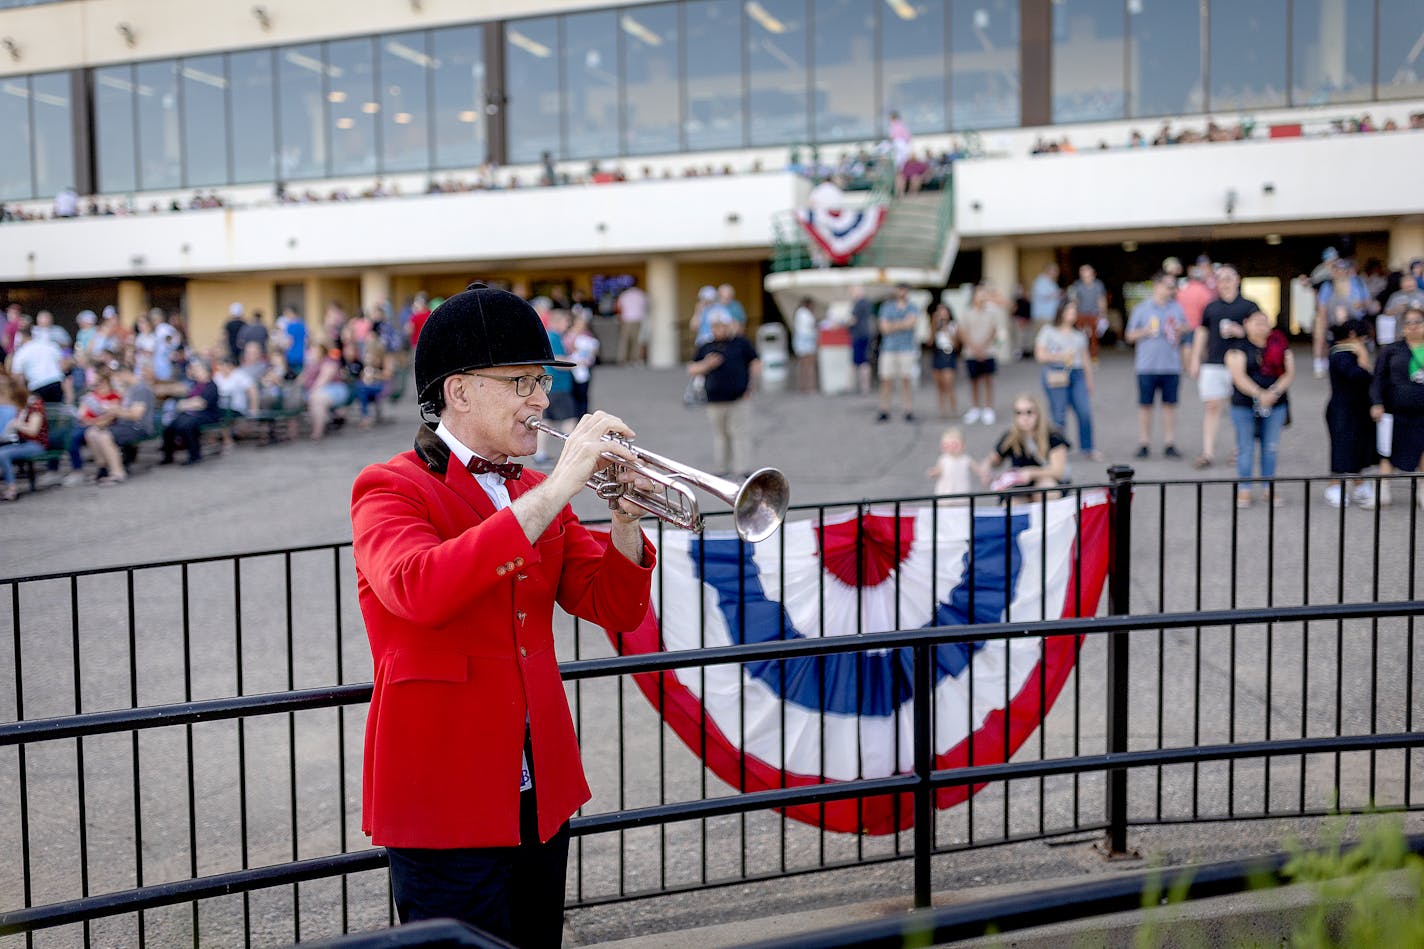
(830, 448)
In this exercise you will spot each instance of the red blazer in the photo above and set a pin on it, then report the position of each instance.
(458, 608)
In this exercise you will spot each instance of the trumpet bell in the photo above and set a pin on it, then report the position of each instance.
(760, 504)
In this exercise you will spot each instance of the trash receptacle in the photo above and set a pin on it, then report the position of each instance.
(834, 368)
(771, 349)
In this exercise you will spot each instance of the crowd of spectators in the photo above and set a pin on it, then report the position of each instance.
(1246, 128)
(99, 394)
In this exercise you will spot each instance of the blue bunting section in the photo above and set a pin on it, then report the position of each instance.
(796, 722)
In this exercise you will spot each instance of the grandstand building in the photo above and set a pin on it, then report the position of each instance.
(374, 148)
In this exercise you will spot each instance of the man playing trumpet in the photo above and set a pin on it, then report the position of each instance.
(472, 767)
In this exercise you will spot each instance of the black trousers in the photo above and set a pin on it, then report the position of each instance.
(514, 893)
(187, 430)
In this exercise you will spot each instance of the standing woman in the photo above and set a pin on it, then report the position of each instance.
(1347, 415)
(1062, 350)
(803, 344)
(1261, 370)
(946, 359)
(1399, 390)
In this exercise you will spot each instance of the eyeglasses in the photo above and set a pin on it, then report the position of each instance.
(1414, 322)
(1025, 411)
(523, 385)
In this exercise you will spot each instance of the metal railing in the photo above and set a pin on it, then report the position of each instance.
(186, 734)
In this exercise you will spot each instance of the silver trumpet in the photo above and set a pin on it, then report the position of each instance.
(758, 503)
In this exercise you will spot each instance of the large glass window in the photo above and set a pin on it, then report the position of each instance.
(1248, 54)
(776, 62)
(591, 85)
(1332, 51)
(204, 82)
(52, 112)
(15, 167)
(984, 64)
(114, 128)
(652, 79)
(532, 57)
(716, 99)
(459, 88)
(1401, 49)
(351, 106)
(405, 121)
(250, 99)
(1165, 58)
(843, 45)
(15, 156)
(912, 80)
(302, 126)
(1088, 60)
(160, 140)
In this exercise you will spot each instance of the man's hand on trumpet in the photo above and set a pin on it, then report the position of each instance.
(584, 452)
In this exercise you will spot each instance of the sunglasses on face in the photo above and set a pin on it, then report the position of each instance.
(1025, 411)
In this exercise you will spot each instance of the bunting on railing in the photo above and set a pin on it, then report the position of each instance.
(842, 232)
(798, 722)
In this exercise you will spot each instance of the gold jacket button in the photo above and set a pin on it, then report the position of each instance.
(519, 561)
(501, 571)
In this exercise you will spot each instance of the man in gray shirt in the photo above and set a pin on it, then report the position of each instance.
(1091, 298)
(1158, 328)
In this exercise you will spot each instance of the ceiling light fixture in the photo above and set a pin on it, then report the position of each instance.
(532, 47)
(370, 108)
(638, 31)
(469, 115)
(1273, 239)
(903, 9)
(411, 55)
(764, 18)
(401, 118)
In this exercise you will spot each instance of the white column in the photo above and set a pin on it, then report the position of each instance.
(1001, 271)
(1406, 242)
(661, 287)
(375, 288)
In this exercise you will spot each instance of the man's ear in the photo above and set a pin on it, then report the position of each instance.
(457, 391)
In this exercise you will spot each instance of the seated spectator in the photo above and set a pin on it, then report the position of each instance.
(1037, 453)
(24, 436)
(199, 408)
(325, 389)
(41, 363)
(236, 390)
(378, 370)
(96, 408)
(130, 423)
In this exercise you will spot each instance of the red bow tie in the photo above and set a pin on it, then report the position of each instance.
(478, 466)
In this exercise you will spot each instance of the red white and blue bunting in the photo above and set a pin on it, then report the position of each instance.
(841, 232)
(797, 722)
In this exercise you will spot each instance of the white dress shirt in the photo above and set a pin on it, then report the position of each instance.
(498, 492)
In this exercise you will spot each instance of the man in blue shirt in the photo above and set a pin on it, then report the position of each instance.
(1158, 328)
(899, 352)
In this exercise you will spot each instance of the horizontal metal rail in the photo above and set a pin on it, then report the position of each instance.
(183, 891)
(1045, 907)
(184, 713)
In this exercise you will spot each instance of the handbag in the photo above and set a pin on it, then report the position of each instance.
(1056, 378)
(696, 392)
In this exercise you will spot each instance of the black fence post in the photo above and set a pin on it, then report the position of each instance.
(1119, 578)
(924, 765)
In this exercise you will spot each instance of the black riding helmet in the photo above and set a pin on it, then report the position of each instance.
(476, 329)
